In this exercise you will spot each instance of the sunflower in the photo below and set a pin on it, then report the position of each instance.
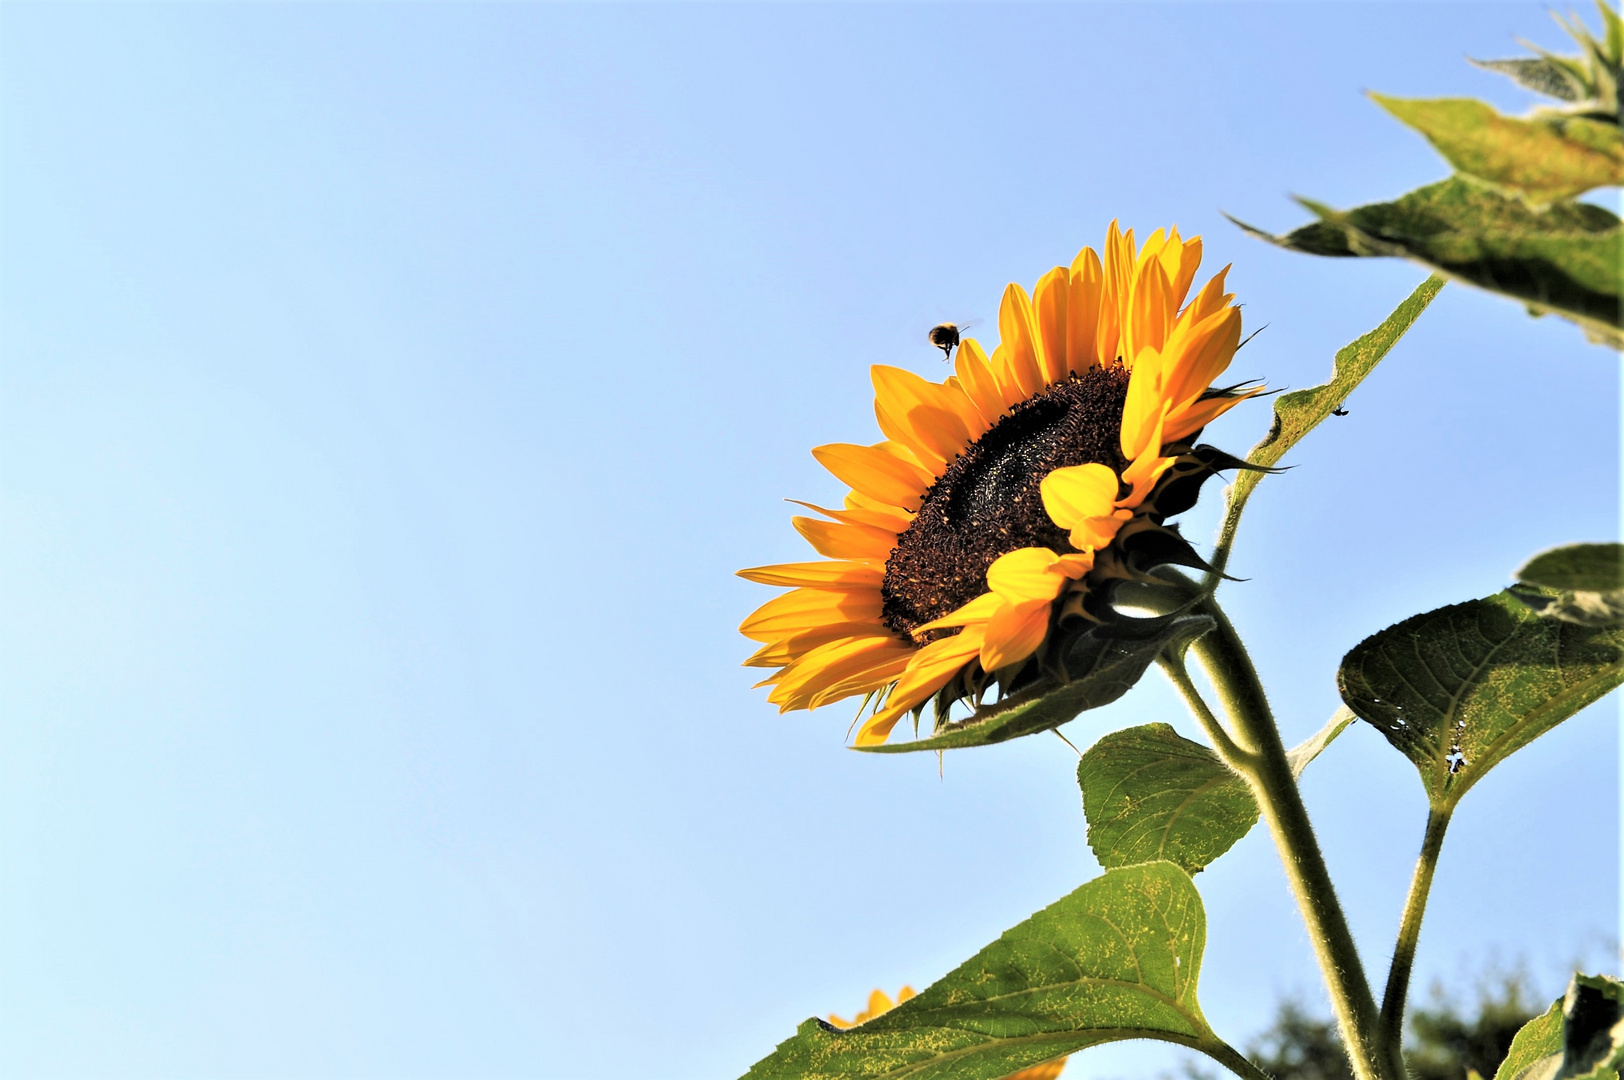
(1006, 501)
(880, 1002)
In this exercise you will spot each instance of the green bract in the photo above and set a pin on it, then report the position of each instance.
(1099, 668)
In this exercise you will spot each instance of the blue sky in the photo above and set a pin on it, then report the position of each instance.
(389, 392)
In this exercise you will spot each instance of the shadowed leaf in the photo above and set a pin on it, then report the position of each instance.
(1547, 157)
(1579, 583)
(1576, 568)
(1100, 669)
(1566, 259)
(1461, 688)
(1117, 959)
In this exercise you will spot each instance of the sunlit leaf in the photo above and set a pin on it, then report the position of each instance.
(1149, 793)
(1567, 258)
(1536, 1049)
(1547, 156)
(1581, 1036)
(1461, 688)
(1117, 959)
(1300, 411)
(1100, 668)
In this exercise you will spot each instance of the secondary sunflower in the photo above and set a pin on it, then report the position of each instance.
(879, 1002)
(1005, 499)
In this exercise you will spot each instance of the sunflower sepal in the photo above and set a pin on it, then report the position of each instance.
(1100, 668)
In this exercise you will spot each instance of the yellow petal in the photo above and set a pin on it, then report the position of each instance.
(931, 669)
(885, 668)
(1034, 574)
(1182, 268)
(976, 376)
(1145, 405)
(1050, 298)
(784, 651)
(805, 683)
(815, 574)
(807, 609)
(978, 610)
(1078, 492)
(876, 471)
(1018, 341)
(840, 540)
(1206, 352)
(861, 510)
(1083, 311)
(922, 410)
(1013, 634)
(1197, 415)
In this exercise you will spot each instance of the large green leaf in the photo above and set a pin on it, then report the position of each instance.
(1567, 258)
(1117, 959)
(1149, 793)
(1461, 688)
(1581, 583)
(1100, 668)
(1300, 411)
(1548, 156)
(1581, 1036)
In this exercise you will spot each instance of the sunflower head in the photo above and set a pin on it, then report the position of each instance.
(991, 525)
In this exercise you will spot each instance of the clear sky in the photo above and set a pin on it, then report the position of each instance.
(390, 390)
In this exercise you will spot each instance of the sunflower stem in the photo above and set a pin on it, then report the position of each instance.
(1173, 665)
(1409, 934)
(1269, 774)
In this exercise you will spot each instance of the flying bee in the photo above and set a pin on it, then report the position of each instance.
(945, 336)
(1339, 411)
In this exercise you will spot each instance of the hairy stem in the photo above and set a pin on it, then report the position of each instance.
(1233, 1060)
(1173, 665)
(1269, 772)
(1409, 932)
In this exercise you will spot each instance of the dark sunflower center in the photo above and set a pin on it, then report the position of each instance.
(987, 503)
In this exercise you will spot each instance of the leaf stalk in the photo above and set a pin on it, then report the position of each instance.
(1391, 1030)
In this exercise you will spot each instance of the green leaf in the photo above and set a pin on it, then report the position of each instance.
(1548, 75)
(1300, 755)
(1592, 1029)
(1546, 157)
(1536, 1050)
(1299, 412)
(1581, 1036)
(1149, 793)
(1576, 568)
(1117, 959)
(1566, 259)
(1100, 668)
(1459, 689)
(1579, 583)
